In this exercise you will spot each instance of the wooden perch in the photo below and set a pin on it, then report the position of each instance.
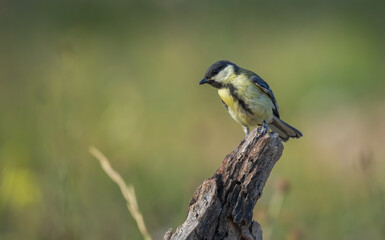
(222, 207)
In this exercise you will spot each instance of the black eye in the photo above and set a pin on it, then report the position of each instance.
(215, 72)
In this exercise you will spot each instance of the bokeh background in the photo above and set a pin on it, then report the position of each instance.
(123, 76)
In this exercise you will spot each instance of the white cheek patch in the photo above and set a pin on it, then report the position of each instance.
(225, 73)
(228, 71)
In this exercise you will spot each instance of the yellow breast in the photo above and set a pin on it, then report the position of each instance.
(259, 105)
(226, 96)
(235, 110)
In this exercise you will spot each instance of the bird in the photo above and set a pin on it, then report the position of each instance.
(248, 98)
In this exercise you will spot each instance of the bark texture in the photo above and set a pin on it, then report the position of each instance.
(222, 207)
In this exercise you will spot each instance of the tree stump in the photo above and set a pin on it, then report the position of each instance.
(222, 207)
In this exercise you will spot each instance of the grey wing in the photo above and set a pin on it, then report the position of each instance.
(266, 88)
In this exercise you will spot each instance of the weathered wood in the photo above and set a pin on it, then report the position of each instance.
(222, 207)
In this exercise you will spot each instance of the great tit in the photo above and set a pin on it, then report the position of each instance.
(248, 98)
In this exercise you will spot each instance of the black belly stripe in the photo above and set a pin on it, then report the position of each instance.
(236, 97)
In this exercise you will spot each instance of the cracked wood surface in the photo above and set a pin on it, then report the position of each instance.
(222, 207)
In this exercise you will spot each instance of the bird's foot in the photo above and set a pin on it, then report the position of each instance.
(246, 130)
(266, 126)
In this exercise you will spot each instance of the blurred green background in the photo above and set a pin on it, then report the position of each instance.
(123, 76)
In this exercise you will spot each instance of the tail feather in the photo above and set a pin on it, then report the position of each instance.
(284, 130)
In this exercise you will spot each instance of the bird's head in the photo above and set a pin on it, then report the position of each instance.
(218, 73)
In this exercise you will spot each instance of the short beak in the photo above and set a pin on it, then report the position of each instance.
(203, 81)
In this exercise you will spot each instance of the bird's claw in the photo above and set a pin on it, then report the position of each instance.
(266, 126)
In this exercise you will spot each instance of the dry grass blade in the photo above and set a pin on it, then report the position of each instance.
(127, 191)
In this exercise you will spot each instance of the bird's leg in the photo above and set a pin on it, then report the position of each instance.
(266, 126)
(246, 130)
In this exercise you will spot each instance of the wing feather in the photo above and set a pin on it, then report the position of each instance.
(266, 88)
